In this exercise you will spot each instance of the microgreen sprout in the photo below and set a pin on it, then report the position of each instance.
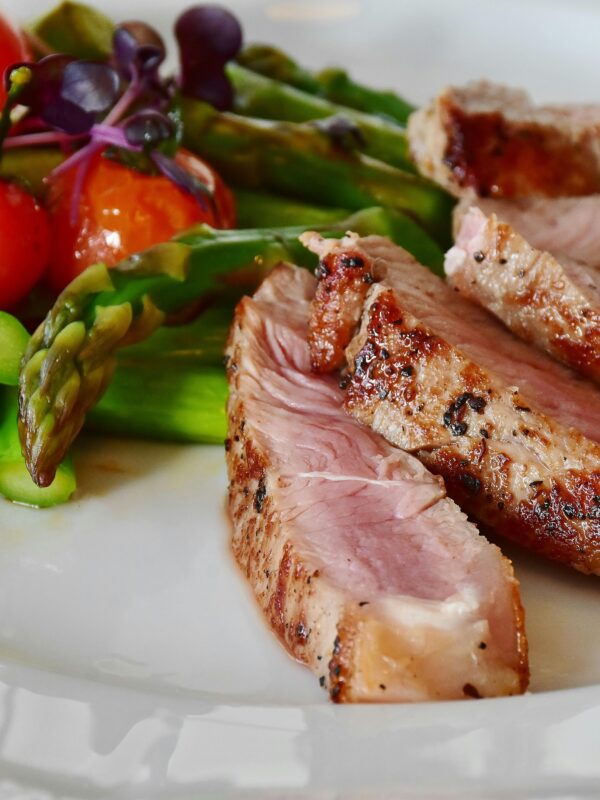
(85, 107)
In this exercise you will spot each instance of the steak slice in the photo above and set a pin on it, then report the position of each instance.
(365, 570)
(553, 302)
(561, 225)
(494, 140)
(513, 433)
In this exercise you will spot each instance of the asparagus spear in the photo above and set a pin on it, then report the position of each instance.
(178, 373)
(30, 165)
(175, 402)
(298, 160)
(259, 208)
(333, 84)
(13, 341)
(15, 481)
(70, 359)
(198, 343)
(76, 29)
(258, 96)
(256, 207)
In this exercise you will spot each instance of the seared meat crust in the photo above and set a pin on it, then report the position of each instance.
(497, 455)
(364, 569)
(551, 301)
(567, 226)
(494, 140)
(427, 389)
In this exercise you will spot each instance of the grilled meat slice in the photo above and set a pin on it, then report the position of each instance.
(553, 302)
(513, 433)
(365, 570)
(494, 140)
(561, 225)
(336, 307)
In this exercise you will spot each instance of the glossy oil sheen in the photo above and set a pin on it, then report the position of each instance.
(133, 663)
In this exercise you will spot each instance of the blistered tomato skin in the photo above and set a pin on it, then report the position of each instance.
(24, 243)
(12, 50)
(122, 211)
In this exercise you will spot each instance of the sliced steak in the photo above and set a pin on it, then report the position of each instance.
(551, 301)
(494, 140)
(365, 570)
(513, 433)
(560, 225)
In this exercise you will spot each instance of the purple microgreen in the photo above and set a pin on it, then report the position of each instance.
(138, 52)
(138, 49)
(110, 135)
(44, 83)
(74, 158)
(85, 161)
(208, 36)
(68, 117)
(342, 132)
(66, 94)
(87, 89)
(127, 99)
(212, 86)
(148, 129)
(35, 139)
(91, 86)
(81, 103)
(190, 183)
(209, 32)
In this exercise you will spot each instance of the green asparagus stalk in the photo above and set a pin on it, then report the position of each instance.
(298, 160)
(256, 209)
(13, 341)
(15, 481)
(175, 402)
(199, 343)
(76, 29)
(332, 84)
(30, 165)
(258, 96)
(71, 357)
(170, 386)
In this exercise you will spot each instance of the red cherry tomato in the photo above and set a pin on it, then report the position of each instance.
(13, 49)
(24, 243)
(123, 211)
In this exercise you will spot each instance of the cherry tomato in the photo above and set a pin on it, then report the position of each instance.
(24, 243)
(12, 50)
(123, 211)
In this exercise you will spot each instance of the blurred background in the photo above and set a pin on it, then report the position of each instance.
(549, 47)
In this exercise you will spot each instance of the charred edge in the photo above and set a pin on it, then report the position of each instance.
(260, 496)
(342, 277)
(351, 261)
(381, 367)
(562, 521)
(488, 153)
(277, 601)
(470, 691)
(337, 672)
(453, 417)
(471, 483)
(322, 270)
(302, 632)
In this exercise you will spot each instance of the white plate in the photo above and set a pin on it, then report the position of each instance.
(134, 663)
